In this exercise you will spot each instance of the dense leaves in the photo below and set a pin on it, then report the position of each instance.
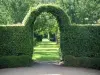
(77, 40)
(86, 62)
(45, 23)
(15, 41)
(82, 11)
(15, 61)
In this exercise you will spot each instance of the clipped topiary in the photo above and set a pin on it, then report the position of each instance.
(61, 17)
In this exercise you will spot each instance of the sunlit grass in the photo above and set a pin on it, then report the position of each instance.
(47, 46)
(46, 56)
(46, 51)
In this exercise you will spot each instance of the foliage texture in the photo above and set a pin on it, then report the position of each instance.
(75, 40)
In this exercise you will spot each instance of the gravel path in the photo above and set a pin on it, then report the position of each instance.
(46, 68)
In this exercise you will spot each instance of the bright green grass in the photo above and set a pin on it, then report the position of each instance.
(47, 46)
(46, 56)
(46, 51)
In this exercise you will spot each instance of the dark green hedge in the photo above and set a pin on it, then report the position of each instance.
(15, 61)
(75, 40)
(81, 41)
(86, 62)
(15, 40)
(16, 46)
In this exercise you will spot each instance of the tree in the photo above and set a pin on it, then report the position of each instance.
(81, 9)
(14, 11)
(45, 24)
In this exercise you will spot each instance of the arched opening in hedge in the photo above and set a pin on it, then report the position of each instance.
(61, 17)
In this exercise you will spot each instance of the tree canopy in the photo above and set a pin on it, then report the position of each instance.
(80, 11)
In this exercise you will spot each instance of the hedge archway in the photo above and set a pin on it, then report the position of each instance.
(61, 17)
(80, 44)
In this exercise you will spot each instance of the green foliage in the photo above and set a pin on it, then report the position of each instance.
(15, 61)
(62, 19)
(75, 40)
(12, 11)
(70, 60)
(45, 23)
(81, 41)
(53, 9)
(86, 62)
(45, 51)
(79, 10)
(89, 62)
(15, 40)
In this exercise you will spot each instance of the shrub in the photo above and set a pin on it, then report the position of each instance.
(82, 62)
(76, 40)
(70, 61)
(15, 61)
(15, 40)
(89, 62)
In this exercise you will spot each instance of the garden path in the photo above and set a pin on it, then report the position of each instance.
(48, 68)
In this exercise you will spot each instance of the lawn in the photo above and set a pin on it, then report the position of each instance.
(46, 51)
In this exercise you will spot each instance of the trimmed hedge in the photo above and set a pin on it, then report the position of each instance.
(15, 40)
(62, 19)
(81, 41)
(75, 40)
(86, 62)
(16, 46)
(15, 61)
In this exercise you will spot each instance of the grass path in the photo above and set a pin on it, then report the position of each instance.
(46, 51)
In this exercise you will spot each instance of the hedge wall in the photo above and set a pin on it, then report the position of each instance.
(15, 61)
(86, 62)
(15, 40)
(81, 41)
(61, 17)
(75, 40)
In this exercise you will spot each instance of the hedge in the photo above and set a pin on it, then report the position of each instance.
(15, 40)
(81, 41)
(86, 62)
(76, 40)
(15, 61)
(61, 17)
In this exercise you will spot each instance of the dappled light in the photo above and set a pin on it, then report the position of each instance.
(46, 51)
